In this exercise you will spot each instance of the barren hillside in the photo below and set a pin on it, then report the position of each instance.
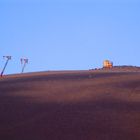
(70, 105)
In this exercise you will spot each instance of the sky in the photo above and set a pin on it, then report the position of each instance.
(69, 34)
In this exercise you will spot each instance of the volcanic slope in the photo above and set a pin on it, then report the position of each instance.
(72, 105)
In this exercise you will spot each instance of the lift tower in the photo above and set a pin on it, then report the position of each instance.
(24, 61)
(7, 60)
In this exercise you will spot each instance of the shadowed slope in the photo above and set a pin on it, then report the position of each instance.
(82, 105)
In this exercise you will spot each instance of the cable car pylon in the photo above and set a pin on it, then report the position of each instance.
(8, 58)
(24, 61)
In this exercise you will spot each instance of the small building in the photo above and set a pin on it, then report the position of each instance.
(107, 64)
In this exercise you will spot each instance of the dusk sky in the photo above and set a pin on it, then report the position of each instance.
(69, 34)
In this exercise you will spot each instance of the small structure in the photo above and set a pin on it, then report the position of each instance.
(107, 64)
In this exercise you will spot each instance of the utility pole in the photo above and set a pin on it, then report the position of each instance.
(8, 58)
(24, 61)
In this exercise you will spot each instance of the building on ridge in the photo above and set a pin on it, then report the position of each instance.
(107, 64)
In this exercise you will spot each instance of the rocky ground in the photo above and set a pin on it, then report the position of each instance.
(71, 105)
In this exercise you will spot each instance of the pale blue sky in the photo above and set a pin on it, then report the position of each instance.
(69, 34)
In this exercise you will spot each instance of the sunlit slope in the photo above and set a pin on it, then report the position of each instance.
(70, 105)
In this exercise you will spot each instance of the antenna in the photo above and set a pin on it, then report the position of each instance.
(24, 61)
(8, 58)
